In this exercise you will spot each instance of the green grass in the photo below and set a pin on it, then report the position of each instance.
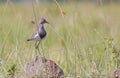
(84, 40)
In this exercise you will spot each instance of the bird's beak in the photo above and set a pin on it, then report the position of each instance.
(47, 22)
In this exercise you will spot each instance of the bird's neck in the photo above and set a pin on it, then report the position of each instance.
(41, 27)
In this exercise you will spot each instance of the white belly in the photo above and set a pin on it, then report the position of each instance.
(36, 37)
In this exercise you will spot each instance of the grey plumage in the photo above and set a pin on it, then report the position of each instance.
(40, 34)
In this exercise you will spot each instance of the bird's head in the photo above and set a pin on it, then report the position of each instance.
(43, 20)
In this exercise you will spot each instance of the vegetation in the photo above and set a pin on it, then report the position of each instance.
(83, 40)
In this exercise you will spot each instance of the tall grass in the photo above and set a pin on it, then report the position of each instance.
(84, 43)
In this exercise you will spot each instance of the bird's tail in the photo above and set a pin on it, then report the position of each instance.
(29, 39)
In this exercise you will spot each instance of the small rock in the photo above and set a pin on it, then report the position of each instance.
(10, 76)
(116, 74)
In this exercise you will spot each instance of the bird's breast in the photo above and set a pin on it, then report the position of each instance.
(42, 34)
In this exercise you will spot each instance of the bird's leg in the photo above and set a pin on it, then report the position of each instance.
(37, 46)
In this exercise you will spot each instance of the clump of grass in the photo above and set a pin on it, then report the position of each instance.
(12, 71)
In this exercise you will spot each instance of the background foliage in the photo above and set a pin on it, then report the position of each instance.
(83, 38)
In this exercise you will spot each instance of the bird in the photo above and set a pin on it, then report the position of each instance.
(40, 34)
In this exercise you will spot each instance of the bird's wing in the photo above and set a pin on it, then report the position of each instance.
(34, 34)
